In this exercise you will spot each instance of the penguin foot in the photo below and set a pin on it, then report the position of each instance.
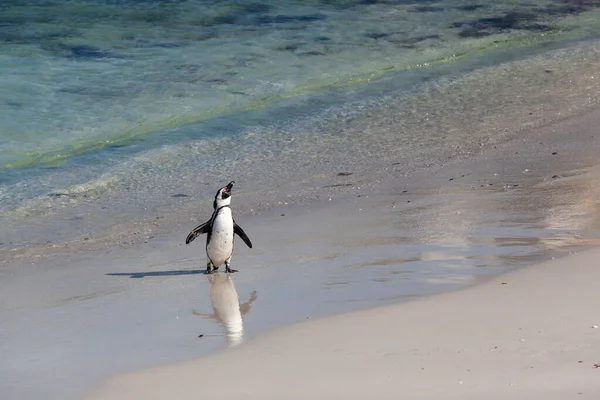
(210, 268)
(230, 270)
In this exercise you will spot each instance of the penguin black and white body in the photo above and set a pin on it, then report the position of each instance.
(220, 229)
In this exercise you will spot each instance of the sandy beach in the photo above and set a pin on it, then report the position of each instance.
(528, 334)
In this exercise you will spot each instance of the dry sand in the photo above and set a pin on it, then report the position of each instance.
(527, 334)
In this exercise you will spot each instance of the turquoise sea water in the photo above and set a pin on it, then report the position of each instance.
(122, 102)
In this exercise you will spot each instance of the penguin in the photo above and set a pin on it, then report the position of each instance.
(220, 229)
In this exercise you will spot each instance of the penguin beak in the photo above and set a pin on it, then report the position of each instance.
(227, 190)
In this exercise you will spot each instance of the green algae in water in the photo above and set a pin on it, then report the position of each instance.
(56, 157)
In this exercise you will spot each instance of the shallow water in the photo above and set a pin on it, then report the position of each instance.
(112, 109)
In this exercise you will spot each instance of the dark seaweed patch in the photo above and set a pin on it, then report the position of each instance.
(560, 10)
(511, 20)
(427, 9)
(198, 37)
(519, 20)
(396, 2)
(6, 23)
(97, 91)
(289, 47)
(168, 45)
(514, 20)
(583, 3)
(83, 52)
(469, 7)
(117, 146)
(12, 36)
(424, 37)
(377, 35)
(225, 20)
(566, 8)
(216, 80)
(189, 68)
(256, 8)
(14, 104)
(312, 53)
(152, 17)
(283, 19)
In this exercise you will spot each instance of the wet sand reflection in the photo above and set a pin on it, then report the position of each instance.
(227, 310)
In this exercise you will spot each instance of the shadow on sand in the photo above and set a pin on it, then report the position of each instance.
(158, 273)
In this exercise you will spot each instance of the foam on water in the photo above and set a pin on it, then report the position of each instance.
(112, 110)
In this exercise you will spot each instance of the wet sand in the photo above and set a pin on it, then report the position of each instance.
(72, 319)
(528, 334)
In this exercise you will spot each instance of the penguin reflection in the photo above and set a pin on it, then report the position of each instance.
(227, 309)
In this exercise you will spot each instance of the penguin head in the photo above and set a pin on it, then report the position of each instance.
(223, 196)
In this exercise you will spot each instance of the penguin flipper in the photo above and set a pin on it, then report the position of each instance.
(240, 232)
(199, 230)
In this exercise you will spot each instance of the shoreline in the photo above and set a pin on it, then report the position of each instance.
(446, 121)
